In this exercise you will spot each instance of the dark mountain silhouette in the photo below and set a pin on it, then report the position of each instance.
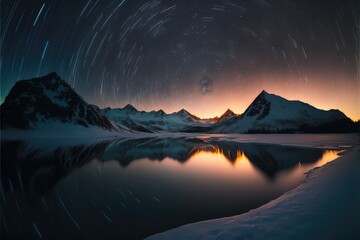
(48, 99)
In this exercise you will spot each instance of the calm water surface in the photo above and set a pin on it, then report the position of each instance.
(133, 188)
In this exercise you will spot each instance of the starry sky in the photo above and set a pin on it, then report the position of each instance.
(201, 55)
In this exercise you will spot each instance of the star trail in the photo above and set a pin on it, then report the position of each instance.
(187, 54)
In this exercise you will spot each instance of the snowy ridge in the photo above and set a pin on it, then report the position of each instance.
(129, 117)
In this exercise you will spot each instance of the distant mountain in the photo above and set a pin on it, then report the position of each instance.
(132, 119)
(186, 115)
(272, 113)
(226, 115)
(130, 108)
(182, 121)
(49, 99)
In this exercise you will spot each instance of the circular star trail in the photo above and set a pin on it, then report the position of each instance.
(205, 56)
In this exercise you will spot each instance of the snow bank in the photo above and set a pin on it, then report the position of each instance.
(59, 130)
(325, 206)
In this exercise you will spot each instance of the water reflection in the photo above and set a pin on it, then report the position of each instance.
(131, 188)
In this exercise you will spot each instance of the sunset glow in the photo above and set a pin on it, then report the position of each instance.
(341, 93)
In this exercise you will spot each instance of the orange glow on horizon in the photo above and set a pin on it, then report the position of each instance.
(327, 90)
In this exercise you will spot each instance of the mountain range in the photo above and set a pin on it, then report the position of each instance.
(50, 101)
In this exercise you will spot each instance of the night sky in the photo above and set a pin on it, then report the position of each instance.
(201, 55)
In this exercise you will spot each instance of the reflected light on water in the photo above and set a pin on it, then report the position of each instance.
(297, 173)
(209, 159)
(214, 161)
(242, 159)
(328, 156)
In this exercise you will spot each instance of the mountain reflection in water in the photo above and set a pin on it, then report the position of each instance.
(133, 188)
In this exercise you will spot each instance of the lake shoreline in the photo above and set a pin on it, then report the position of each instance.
(153, 173)
(304, 212)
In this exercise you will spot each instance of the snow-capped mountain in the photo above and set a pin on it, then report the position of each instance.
(33, 103)
(50, 103)
(226, 115)
(272, 113)
(129, 117)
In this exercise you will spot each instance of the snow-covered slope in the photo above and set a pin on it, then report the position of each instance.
(49, 100)
(153, 121)
(271, 113)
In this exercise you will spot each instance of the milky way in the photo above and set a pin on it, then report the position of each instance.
(156, 54)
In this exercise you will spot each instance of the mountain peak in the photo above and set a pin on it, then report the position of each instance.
(52, 75)
(227, 114)
(161, 112)
(228, 111)
(130, 107)
(182, 111)
(263, 93)
(260, 106)
(188, 115)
